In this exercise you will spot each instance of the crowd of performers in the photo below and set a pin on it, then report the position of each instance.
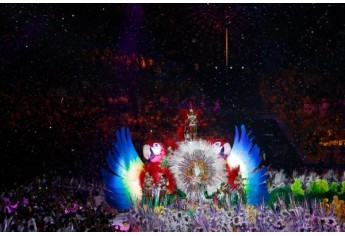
(159, 186)
(195, 173)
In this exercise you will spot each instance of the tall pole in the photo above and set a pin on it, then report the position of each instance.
(226, 47)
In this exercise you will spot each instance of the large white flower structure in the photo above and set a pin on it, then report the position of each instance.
(197, 168)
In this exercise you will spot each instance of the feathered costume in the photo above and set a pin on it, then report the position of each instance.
(245, 158)
(197, 169)
(155, 170)
(122, 181)
(125, 182)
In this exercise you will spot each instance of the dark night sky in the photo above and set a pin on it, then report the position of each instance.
(263, 37)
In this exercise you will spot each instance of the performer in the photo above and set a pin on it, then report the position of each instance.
(191, 124)
(163, 187)
(148, 187)
(239, 181)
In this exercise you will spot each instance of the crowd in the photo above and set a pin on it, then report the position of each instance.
(312, 106)
(52, 203)
(69, 125)
(65, 131)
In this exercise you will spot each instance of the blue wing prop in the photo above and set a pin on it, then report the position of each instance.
(122, 186)
(247, 155)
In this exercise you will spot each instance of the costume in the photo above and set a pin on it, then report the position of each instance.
(191, 126)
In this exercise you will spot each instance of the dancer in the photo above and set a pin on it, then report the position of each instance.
(191, 126)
